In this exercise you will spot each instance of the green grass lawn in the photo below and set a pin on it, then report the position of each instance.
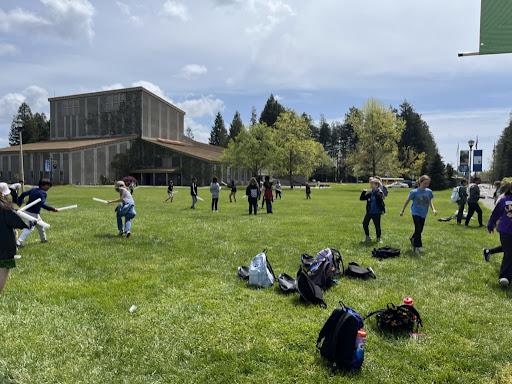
(64, 313)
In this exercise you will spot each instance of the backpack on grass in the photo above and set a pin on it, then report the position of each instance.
(287, 284)
(309, 291)
(385, 252)
(397, 319)
(243, 273)
(337, 339)
(355, 270)
(324, 268)
(261, 274)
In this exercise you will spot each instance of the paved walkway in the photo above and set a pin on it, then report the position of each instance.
(487, 190)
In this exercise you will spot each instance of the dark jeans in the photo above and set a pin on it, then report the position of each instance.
(215, 201)
(308, 196)
(472, 208)
(419, 223)
(497, 249)
(506, 264)
(460, 213)
(269, 206)
(253, 204)
(376, 221)
(278, 193)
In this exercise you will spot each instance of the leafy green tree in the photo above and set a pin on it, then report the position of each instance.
(324, 134)
(437, 172)
(254, 149)
(378, 130)
(412, 163)
(254, 116)
(271, 111)
(502, 154)
(41, 127)
(219, 134)
(313, 129)
(450, 176)
(297, 153)
(343, 143)
(236, 126)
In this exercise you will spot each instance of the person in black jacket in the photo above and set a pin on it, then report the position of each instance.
(473, 206)
(8, 222)
(463, 199)
(253, 194)
(374, 208)
(193, 192)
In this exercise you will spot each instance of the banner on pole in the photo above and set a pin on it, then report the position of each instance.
(477, 160)
(47, 166)
(464, 161)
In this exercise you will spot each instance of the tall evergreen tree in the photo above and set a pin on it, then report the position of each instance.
(324, 133)
(22, 120)
(435, 168)
(219, 134)
(236, 126)
(254, 116)
(502, 156)
(343, 142)
(312, 127)
(271, 111)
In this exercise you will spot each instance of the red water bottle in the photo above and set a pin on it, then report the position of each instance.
(408, 301)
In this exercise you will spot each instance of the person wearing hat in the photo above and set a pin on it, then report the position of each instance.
(375, 207)
(125, 208)
(9, 221)
(33, 194)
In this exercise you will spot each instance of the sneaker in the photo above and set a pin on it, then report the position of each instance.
(417, 250)
(17, 257)
(487, 254)
(120, 234)
(504, 282)
(379, 240)
(412, 241)
(19, 244)
(367, 239)
(128, 234)
(44, 241)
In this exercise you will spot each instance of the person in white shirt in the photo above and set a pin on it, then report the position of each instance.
(125, 208)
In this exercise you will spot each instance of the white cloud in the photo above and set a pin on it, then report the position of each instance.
(201, 107)
(7, 49)
(191, 71)
(112, 86)
(175, 9)
(271, 13)
(127, 11)
(35, 96)
(9, 104)
(150, 87)
(20, 19)
(201, 132)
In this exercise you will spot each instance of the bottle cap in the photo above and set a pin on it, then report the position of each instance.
(361, 333)
(408, 300)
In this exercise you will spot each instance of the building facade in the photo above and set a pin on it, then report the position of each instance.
(98, 137)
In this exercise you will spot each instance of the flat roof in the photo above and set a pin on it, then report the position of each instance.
(65, 145)
(191, 148)
(99, 93)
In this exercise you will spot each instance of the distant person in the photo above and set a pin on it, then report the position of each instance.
(278, 189)
(193, 192)
(33, 194)
(268, 194)
(253, 194)
(308, 191)
(215, 191)
(502, 218)
(125, 208)
(8, 222)
(374, 208)
(473, 206)
(421, 198)
(463, 198)
(232, 194)
(170, 191)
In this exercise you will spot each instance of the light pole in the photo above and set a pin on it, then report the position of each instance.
(19, 126)
(470, 143)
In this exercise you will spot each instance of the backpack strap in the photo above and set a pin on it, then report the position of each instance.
(269, 266)
(414, 311)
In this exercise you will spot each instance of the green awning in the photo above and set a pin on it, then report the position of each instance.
(496, 27)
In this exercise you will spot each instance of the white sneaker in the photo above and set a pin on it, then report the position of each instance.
(19, 244)
(504, 282)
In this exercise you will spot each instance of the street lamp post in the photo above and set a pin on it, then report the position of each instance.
(471, 143)
(22, 171)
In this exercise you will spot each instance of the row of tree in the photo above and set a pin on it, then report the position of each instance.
(372, 140)
(502, 155)
(35, 127)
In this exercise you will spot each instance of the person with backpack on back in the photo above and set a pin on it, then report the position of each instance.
(215, 191)
(253, 194)
(473, 206)
(232, 194)
(421, 198)
(463, 198)
(374, 208)
(268, 195)
(501, 219)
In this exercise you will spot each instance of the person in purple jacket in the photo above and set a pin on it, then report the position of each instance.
(502, 217)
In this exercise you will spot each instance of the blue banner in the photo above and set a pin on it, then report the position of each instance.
(477, 160)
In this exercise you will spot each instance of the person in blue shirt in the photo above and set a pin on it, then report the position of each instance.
(34, 194)
(421, 198)
(374, 208)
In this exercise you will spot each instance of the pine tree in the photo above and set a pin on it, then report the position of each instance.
(271, 111)
(22, 120)
(502, 156)
(324, 134)
(254, 116)
(189, 133)
(435, 168)
(219, 134)
(236, 126)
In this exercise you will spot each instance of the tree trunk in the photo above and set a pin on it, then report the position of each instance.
(290, 175)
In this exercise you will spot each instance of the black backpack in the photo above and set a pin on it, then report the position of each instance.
(397, 319)
(287, 284)
(324, 268)
(355, 270)
(337, 339)
(385, 252)
(243, 273)
(308, 290)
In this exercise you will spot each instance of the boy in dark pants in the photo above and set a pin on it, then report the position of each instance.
(374, 208)
(268, 195)
(253, 194)
(463, 198)
(308, 191)
(473, 206)
(193, 192)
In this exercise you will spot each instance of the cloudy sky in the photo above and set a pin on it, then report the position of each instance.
(319, 57)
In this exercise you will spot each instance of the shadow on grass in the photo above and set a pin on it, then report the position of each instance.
(106, 236)
(320, 361)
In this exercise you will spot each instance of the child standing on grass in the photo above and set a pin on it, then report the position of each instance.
(473, 206)
(193, 192)
(34, 211)
(308, 191)
(8, 222)
(278, 189)
(463, 198)
(421, 198)
(374, 208)
(232, 194)
(215, 191)
(253, 194)
(502, 216)
(125, 208)
(268, 195)
(170, 191)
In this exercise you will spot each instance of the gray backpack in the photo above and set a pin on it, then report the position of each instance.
(261, 274)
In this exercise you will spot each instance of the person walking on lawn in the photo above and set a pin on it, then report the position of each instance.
(308, 191)
(374, 208)
(278, 189)
(253, 194)
(215, 191)
(473, 206)
(463, 198)
(268, 195)
(193, 192)
(232, 194)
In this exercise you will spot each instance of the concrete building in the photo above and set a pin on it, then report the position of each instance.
(98, 137)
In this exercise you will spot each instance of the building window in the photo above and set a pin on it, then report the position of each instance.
(71, 107)
(113, 102)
